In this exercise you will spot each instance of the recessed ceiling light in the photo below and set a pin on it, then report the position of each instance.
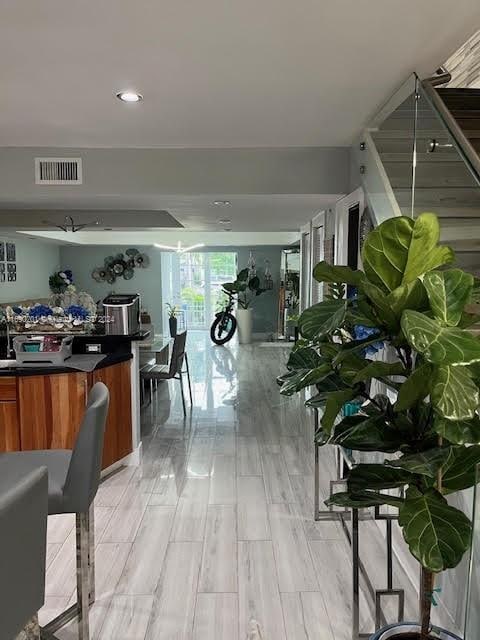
(221, 203)
(224, 221)
(129, 96)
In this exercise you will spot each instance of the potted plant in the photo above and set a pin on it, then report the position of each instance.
(172, 311)
(246, 288)
(404, 302)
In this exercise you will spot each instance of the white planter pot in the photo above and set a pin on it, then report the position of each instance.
(394, 630)
(244, 324)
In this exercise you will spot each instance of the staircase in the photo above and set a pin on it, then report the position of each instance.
(442, 126)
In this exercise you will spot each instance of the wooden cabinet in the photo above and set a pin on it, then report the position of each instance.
(118, 433)
(45, 411)
(51, 408)
(9, 427)
(9, 422)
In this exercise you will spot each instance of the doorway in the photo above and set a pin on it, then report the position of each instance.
(195, 284)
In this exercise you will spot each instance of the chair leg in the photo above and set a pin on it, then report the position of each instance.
(83, 575)
(183, 394)
(189, 381)
(91, 553)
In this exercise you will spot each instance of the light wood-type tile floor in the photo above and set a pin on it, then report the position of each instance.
(212, 537)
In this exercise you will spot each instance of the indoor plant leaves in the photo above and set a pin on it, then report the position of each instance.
(436, 533)
(459, 432)
(415, 388)
(325, 272)
(377, 476)
(439, 344)
(448, 292)
(322, 318)
(454, 394)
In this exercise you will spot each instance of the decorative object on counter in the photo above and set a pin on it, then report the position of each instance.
(72, 298)
(267, 277)
(61, 281)
(123, 265)
(246, 288)
(41, 318)
(172, 310)
(42, 350)
(417, 308)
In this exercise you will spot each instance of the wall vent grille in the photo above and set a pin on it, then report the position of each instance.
(58, 171)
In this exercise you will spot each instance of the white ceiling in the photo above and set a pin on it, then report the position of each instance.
(214, 73)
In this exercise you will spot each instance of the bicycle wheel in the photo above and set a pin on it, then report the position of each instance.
(223, 328)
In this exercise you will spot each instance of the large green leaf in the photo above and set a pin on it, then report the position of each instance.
(436, 533)
(424, 254)
(362, 499)
(379, 369)
(459, 432)
(363, 433)
(356, 346)
(454, 394)
(335, 401)
(304, 378)
(400, 250)
(448, 292)
(439, 344)
(325, 272)
(377, 476)
(304, 358)
(426, 463)
(350, 367)
(322, 318)
(385, 252)
(408, 296)
(415, 388)
(461, 471)
(382, 306)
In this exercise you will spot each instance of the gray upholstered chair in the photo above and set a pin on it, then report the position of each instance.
(174, 371)
(73, 479)
(23, 543)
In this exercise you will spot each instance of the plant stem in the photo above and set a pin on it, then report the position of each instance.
(427, 582)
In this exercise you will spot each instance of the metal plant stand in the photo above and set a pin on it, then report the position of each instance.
(350, 520)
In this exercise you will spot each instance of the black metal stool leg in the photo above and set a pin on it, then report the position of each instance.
(189, 381)
(183, 394)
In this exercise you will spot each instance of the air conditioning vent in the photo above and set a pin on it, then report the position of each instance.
(58, 171)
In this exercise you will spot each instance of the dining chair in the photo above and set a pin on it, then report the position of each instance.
(174, 370)
(73, 479)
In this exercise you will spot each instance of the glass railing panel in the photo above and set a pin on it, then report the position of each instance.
(389, 137)
(444, 183)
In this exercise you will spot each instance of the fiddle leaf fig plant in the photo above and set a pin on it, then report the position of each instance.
(408, 308)
(245, 287)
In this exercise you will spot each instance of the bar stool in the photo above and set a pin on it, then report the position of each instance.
(73, 479)
(23, 543)
(174, 371)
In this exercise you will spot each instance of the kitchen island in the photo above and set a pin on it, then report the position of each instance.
(41, 407)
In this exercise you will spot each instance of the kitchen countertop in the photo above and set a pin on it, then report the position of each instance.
(108, 360)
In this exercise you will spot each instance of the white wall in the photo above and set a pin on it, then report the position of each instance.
(36, 261)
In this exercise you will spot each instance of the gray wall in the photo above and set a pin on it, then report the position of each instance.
(133, 172)
(36, 261)
(146, 282)
(265, 307)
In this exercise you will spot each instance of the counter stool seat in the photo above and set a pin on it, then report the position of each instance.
(57, 462)
(73, 479)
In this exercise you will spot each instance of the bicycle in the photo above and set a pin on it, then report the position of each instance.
(225, 324)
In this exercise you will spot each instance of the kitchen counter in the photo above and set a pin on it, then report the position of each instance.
(41, 407)
(8, 369)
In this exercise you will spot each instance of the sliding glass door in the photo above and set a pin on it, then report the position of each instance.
(194, 283)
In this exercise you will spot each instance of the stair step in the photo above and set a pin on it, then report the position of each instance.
(428, 199)
(430, 175)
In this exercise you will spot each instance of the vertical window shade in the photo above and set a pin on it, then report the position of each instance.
(305, 275)
(318, 256)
